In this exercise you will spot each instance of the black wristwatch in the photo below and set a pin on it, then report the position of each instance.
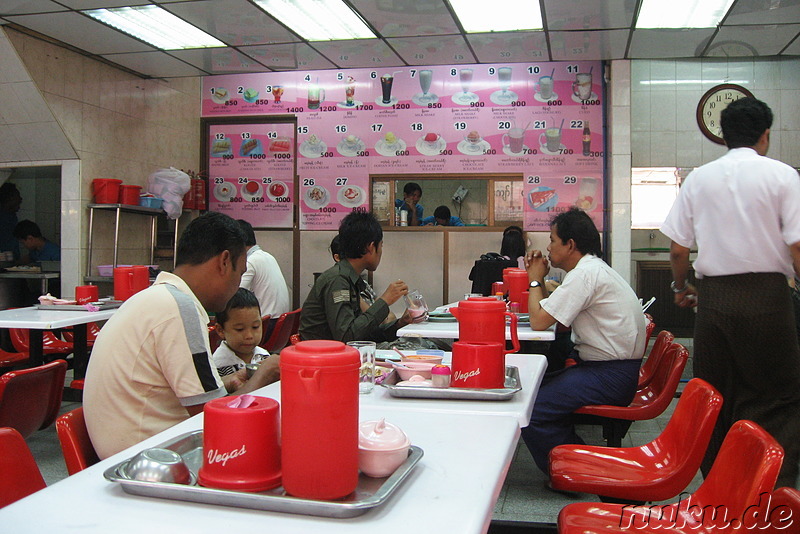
(535, 283)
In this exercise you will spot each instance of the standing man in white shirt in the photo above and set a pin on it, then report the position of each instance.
(608, 332)
(264, 278)
(742, 213)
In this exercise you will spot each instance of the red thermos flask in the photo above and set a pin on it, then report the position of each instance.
(319, 419)
(484, 319)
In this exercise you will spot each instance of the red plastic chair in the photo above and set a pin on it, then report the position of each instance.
(650, 325)
(789, 498)
(12, 359)
(264, 325)
(213, 338)
(92, 329)
(75, 443)
(746, 467)
(287, 324)
(656, 471)
(31, 398)
(660, 346)
(19, 474)
(20, 338)
(648, 403)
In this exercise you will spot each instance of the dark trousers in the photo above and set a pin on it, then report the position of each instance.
(610, 382)
(746, 346)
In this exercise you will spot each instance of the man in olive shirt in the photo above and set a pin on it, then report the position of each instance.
(332, 309)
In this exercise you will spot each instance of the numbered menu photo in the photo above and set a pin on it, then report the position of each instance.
(251, 171)
(540, 120)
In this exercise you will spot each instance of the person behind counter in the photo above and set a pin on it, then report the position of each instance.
(239, 327)
(608, 330)
(151, 364)
(333, 307)
(441, 217)
(412, 193)
(39, 248)
(10, 202)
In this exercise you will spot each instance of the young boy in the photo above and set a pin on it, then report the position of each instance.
(239, 326)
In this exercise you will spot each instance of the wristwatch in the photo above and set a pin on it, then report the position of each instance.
(535, 283)
(675, 289)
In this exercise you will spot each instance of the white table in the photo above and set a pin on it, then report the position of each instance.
(29, 275)
(36, 320)
(531, 370)
(452, 489)
(450, 331)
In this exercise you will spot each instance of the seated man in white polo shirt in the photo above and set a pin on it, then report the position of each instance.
(151, 365)
(608, 332)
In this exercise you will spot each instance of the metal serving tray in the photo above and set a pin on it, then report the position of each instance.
(512, 385)
(369, 493)
(103, 305)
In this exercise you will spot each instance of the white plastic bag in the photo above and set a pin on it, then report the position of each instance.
(170, 185)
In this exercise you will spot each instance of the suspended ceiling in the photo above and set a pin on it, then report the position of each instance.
(410, 32)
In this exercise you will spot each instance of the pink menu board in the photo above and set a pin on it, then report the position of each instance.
(251, 172)
(543, 121)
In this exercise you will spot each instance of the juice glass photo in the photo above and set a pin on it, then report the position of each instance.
(550, 139)
(386, 88)
(366, 377)
(546, 87)
(277, 93)
(425, 77)
(350, 91)
(514, 140)
(465, 77)
(504, 78)
(315, 95)
(582, 86)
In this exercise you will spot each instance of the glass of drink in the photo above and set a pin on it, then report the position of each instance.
(514, 140)
(582, 86)
(551, 139)
(350, 91)
(315, 95)
(366, 376)
(386, 88)
(425, 77)
(277, 93)
(546, 87)
(416, 305)
(504, 78)
(465, 77)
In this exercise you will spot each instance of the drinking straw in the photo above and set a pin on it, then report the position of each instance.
(527, 125)
(562, 126)
(591, 69)
(552, 73)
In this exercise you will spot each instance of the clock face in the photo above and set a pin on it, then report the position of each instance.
(711, 105)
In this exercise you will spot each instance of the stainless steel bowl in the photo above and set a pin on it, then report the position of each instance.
(158, 465)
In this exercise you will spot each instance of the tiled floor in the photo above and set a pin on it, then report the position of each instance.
(524, 505)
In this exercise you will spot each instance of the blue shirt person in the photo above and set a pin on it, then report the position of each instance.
(441, 217)
(39, 248)
(412, 193)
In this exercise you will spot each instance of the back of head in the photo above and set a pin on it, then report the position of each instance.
(249, 233)
(744, 121)
(513, 245)
(411, 187)
(8, 192)
(208, 236)
(334, 246)
(356, 232)
(26, 228)
(576, 224)
(442, 212)
(243, 298)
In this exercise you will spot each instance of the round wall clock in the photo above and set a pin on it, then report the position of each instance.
(711, 105)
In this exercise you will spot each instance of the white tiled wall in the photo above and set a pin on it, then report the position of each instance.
(121, 126)
(664, 97)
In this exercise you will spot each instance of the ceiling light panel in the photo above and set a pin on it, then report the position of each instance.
(156, 26)
(504, 15)
(682, 13)
(318, 20)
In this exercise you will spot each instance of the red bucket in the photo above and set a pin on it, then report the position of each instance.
(129, 194)
(106, 190)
